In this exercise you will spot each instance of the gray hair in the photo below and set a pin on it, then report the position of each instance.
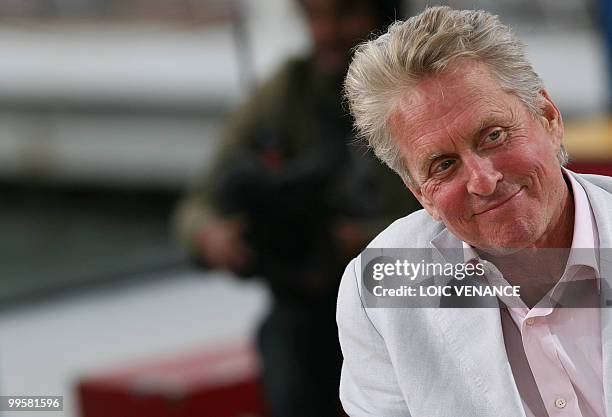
(426, 44)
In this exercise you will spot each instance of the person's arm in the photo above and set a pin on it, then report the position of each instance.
(394, 201)
(210, 236)
(209, 233)
(368, 385)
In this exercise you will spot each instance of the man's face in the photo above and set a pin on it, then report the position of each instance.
(483, 165)
(336, 26)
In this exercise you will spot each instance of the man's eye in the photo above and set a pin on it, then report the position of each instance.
(444, 165)
(495, 136)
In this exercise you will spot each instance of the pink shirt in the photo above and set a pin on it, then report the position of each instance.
(555, 353)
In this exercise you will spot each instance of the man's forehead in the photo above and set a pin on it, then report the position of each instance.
(442, 108)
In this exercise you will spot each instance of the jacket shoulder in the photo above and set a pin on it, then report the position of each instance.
(600, 181)
(270, 94)
(413, 231)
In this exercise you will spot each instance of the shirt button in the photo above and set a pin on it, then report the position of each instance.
(560, 403)
(530, 321)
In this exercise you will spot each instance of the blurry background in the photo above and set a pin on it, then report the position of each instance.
(108, 108)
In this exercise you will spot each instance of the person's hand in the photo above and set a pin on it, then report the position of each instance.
(220, 244)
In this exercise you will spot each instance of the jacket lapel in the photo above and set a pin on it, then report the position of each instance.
(476, 336)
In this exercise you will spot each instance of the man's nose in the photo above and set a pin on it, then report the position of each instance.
(482, 176)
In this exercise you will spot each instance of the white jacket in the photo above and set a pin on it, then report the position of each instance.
(436, 362)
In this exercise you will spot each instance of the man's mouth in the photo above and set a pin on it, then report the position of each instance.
(499, 203)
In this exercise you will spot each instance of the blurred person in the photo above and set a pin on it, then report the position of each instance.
(450, 102)
(292, 198)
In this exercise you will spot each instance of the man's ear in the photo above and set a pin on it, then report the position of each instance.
(425, 202)
(551, 119)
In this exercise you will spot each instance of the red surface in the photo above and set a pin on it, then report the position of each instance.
(587, 167)
(223, 383)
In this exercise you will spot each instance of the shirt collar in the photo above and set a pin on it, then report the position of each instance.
(585, 229)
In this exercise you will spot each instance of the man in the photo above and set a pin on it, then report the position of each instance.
(448, 100)
(284, 201)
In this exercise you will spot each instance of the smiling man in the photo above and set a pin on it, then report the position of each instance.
(481, 163)
(448, 100)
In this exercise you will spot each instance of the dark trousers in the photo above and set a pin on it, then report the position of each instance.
(301, 361)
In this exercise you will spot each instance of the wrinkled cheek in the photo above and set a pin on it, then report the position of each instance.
(451, 206)
(437, 193)
(520, 169)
